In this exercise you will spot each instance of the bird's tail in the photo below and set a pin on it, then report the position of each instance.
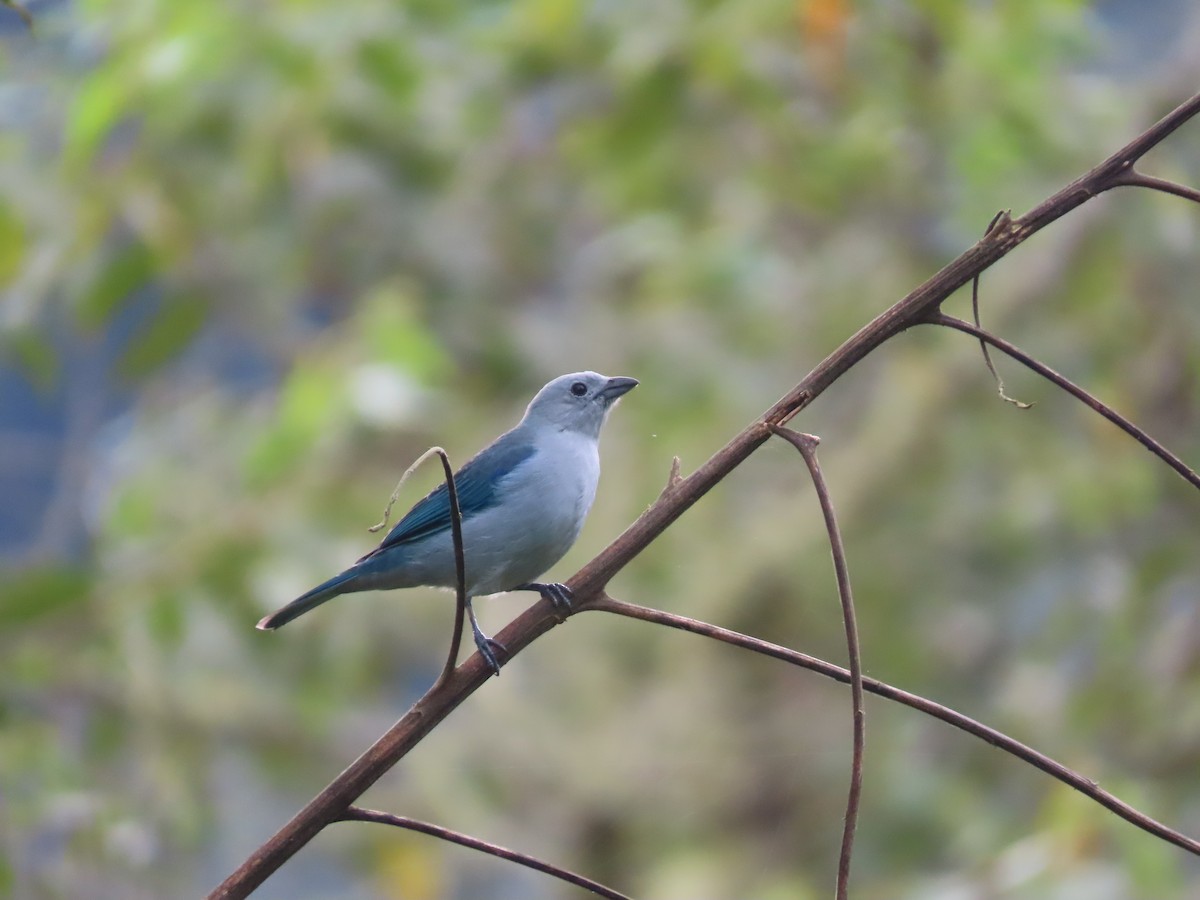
(338, 584)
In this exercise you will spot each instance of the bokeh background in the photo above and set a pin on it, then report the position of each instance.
(255, 258)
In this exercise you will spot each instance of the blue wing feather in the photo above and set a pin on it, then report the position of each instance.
(477, 484)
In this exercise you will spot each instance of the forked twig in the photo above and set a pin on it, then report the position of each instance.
(1138, 434)
(358, 814)
(460, 564)
(998, 739)
(807, 445)
(1133, 178)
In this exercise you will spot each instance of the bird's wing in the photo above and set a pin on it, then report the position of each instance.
(477, 490)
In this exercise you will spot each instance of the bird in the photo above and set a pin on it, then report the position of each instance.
(523, 499)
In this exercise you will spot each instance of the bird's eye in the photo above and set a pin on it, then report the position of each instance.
(579, 389)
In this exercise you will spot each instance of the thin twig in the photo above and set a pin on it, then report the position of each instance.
(387, 510)
(1002, 219)
(1074, 390)
(460, 568)
(1134, 178)
(358, 814)
(460, 565)
(998, 739)
(589, 582)
(807, 445)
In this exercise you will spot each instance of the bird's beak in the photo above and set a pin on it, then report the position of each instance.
(615, 387)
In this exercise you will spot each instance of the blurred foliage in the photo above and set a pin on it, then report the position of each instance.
(307, 240)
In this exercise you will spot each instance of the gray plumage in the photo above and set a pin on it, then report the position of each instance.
(524, 499)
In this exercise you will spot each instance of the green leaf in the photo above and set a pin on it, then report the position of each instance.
(306, 409)
(21, 11)
(93, 113)
(12, 243)
(35, 355)
(37, 593)
(389, 67)
(124, 273)
(164, 337)
(392, 329)
(165, 617)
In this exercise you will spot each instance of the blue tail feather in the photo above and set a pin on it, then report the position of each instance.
(327, 590)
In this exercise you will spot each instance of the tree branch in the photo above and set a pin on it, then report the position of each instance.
(358, 814)
(1133, 178)
(460, 567)
(588, 584)
(998, 739)
(807, 445)
(1074, 390)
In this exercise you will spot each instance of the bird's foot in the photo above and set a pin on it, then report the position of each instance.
(558, 594)
(487, 647)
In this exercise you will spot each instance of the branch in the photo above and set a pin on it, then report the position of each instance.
(998, 739)
(460, 567)
(1002, 216)
(807, 445)
(588, 584)
(358, 814)
(1133, 178)
(1074, 390)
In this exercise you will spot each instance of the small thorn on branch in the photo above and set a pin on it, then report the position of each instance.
(1001, 221)
(673, 478)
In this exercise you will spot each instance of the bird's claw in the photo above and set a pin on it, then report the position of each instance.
(487, 648)
(557, 594)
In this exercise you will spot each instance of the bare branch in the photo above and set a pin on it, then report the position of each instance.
(998, 739)
(1075, 391)
(460, 567)
(1001, 218)
(1134, 178)
(358, 814)
(807, 445)
(588, 584)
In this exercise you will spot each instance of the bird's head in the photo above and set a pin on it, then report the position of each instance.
(577, 402)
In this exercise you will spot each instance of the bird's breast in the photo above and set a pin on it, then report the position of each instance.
(562, 481)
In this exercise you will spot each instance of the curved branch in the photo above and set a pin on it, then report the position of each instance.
(1074, 390)
(588, 584)
(807, 445)
(358, 814)
(1001, 216)
(998, 739)
(460, 567)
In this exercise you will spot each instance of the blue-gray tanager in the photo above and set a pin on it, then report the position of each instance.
(523, 498)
